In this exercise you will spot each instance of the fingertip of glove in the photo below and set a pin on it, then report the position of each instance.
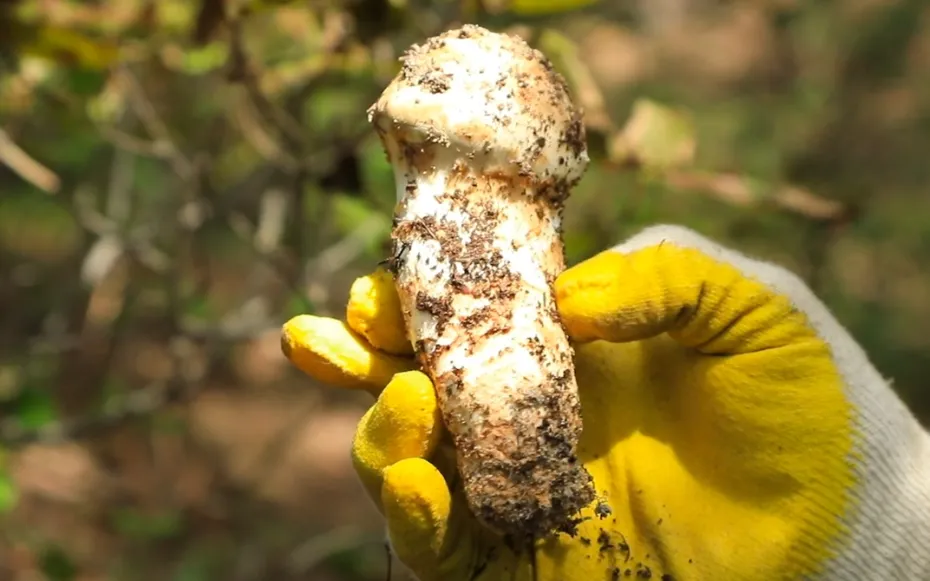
(584, 290)
(416, 503)
(596, 271)
(412, 385)
(410, 398)
(374, 312)
(416, 480)
(404, 423)
(329, 351)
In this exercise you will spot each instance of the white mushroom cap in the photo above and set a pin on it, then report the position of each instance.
(490, 97)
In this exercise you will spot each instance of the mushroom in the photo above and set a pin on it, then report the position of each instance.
(485, 144)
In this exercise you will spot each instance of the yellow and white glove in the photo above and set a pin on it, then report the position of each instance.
(734, 429)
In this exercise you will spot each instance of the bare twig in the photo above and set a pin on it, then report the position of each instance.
(136, 145)
(137, 404)
(85, 209)
(156, 126)
(740, 191)
(109, 248)
(100, 330)
(231, 328)
(337, 256)
(119, 189)
(242, 72)
(272, 219)
(245, 115)
(269, 257)
(272, 453)
(182, 386)
(26, 167)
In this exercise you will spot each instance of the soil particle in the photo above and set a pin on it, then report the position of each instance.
(438, 307)
(436, 82)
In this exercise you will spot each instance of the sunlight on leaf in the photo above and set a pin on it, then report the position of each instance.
(9, 496)
(11, 379)
(176, 15)
(196, 60)
(70, 47)
(542, 7)
(656, 137)
(108, 105)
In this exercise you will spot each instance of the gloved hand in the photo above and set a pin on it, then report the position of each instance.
(733, 429)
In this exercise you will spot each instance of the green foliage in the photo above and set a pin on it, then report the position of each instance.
(200, 307)
(195, 568)
(656, 139)
(349, 212)
(83, 82)
(56, 565)
(35, 408)
(197, 61)
(337, 108)
(149, 525)
(9, 496)
(36, 227)
(377, 176)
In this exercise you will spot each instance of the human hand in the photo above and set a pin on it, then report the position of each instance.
(732, 428)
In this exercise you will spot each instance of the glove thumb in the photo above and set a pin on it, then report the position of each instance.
(671, 280)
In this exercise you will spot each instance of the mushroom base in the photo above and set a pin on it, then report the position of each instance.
(475, 258)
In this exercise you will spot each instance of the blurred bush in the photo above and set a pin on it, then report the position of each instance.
(178, 178)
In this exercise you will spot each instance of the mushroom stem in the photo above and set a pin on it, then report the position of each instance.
(485, 145)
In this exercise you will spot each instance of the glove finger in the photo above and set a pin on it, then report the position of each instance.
(404, 423)
(417, 505)
(374, 312)
(669, 279)
(328, 351)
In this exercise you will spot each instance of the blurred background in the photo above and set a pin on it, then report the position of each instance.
(180, 177)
